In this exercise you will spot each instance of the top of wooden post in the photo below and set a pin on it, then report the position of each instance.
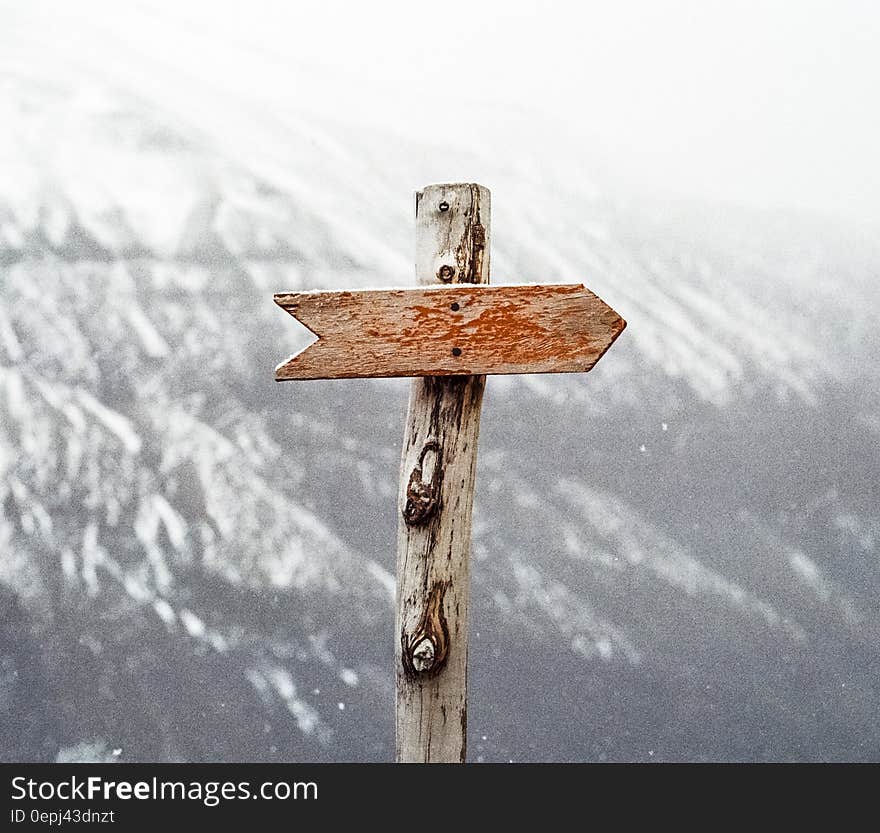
(451, 238)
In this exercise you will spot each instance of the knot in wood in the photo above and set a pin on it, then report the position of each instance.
(446, 273)
(424, 652)
(423, 655)
(423, 495)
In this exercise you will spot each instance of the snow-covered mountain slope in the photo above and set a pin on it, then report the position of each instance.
(675, 556)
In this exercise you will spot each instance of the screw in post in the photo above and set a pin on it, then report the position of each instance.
(444, 206)
(446, 273)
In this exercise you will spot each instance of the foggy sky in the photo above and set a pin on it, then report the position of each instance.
(767, 104)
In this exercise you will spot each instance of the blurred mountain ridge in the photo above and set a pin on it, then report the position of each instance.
(675, 556)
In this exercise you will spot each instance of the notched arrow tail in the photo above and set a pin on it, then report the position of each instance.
(292, 303)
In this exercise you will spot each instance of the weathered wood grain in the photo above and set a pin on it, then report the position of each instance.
(450, 331)
(437, 488)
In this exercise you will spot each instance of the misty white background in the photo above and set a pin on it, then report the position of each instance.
(767, 104)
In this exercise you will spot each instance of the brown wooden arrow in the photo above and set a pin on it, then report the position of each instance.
(461, 330)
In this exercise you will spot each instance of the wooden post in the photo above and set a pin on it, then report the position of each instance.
(436, 496)
(443, 335)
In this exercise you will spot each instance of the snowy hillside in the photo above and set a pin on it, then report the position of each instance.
(675, 556)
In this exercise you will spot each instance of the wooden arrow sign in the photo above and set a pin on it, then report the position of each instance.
(460, 330)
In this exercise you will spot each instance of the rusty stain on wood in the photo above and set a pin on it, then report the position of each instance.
(450, 330)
